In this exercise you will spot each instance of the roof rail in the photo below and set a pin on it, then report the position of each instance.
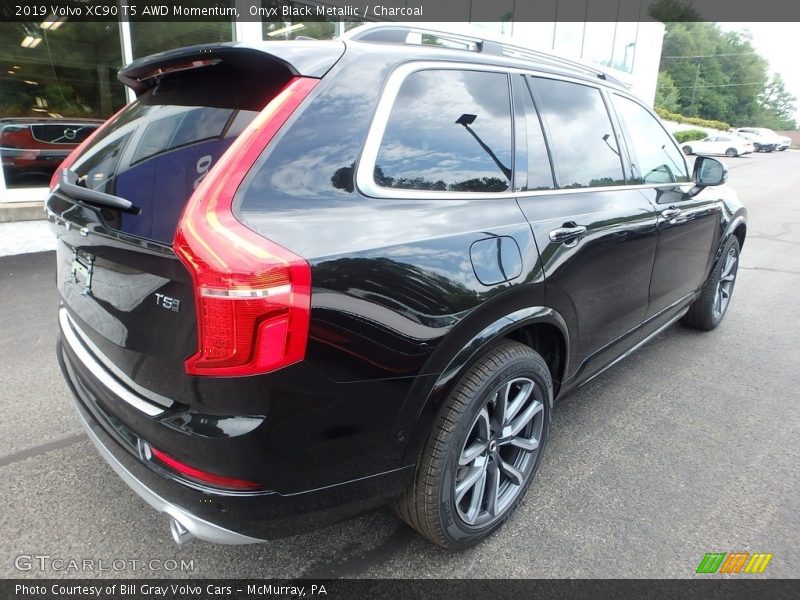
(397, 33)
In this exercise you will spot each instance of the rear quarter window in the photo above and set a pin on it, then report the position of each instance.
(448, 130)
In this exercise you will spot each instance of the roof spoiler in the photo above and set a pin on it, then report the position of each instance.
(297, 58)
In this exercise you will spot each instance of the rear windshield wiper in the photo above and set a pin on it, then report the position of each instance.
(69, 183)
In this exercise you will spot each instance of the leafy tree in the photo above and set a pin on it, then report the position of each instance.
(667, 94)
(670, 11)
(777, 105)
(718, 75)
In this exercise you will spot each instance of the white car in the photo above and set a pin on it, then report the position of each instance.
(765, 140)
(726, 144)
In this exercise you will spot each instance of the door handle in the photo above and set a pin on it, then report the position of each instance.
(671, 212)
(570, 232)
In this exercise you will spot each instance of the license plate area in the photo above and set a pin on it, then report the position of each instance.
(81, 271)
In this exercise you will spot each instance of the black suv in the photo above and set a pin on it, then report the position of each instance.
(300, 280)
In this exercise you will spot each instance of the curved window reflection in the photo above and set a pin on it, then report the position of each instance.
(159, 148)
(449, 130)
(581, 134)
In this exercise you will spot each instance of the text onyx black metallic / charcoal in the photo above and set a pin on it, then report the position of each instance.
(303, 279)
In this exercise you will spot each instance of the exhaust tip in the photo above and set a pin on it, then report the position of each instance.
(180, 534)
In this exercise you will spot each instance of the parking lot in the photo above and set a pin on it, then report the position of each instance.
(691, 445)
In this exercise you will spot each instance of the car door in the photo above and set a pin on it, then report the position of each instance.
(688, 221)
(714, 145)
(596, 237)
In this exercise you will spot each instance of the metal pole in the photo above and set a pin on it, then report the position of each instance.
(697, 60)
(506, 171)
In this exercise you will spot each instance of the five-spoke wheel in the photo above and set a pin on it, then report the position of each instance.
(710, 306)
(725, 283)
(502, 443)
(484, 448)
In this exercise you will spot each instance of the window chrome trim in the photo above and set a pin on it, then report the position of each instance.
(365, 169)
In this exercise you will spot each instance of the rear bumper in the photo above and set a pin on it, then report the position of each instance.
(120, 429)
(199, 528)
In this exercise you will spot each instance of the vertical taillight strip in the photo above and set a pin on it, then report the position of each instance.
(253, 296)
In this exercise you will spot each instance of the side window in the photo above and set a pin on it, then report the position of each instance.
(532, 166)
(449, 130)
(654, 155)
(581, 135)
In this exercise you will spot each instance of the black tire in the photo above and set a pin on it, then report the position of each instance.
(430, 503)
(757, 147)
(709, 308)
(687, 150)
(731, 152)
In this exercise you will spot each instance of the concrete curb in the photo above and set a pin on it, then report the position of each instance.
(21, 211)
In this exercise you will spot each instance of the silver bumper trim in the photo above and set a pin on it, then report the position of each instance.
(116, 371)
(199, 528)
(101, 374)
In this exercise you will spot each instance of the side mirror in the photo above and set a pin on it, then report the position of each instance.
(709, 171)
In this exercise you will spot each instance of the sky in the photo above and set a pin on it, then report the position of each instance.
(775, 42)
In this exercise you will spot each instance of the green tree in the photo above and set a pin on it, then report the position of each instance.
(670, 11)
(718, 75)
(667, 95)
(777, 105)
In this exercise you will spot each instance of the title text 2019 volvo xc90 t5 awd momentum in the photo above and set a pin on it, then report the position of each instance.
(303, 279)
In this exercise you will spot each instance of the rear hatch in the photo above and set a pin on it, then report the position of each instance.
(120, 197)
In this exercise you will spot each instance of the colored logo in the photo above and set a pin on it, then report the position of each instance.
(734, 562)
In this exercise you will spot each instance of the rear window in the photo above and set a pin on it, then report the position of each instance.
(158, 150)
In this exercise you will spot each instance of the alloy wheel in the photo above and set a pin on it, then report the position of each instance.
(500, 452)
(722, 297)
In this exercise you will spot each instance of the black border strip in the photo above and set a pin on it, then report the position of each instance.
(241, 589)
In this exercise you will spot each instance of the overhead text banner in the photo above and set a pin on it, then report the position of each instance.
(402, 10)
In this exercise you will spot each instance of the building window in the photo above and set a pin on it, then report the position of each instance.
(57, 83)
(148, 37)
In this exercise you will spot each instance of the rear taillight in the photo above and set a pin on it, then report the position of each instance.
(253, 297)
(200, 476)
(72, 156)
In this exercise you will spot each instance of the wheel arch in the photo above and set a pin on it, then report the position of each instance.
(541, 328)
(740, 231)
(736, 227)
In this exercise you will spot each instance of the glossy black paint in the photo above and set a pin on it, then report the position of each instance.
(406, 295)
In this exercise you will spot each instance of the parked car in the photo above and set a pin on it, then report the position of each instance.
(781, 142)
(369, 290)
(723, 144)
(31, 148)
(764, 140)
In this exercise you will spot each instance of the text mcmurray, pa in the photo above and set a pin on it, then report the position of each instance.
(162, 591)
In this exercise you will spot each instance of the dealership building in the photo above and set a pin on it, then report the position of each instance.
(57, 67)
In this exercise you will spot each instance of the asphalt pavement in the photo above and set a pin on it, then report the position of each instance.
(689, 446)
